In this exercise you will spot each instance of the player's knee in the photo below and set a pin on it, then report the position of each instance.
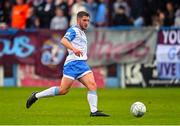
(92, 86)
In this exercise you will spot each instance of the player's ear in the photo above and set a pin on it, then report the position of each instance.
(78, 18)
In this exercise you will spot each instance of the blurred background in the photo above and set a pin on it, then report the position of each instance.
(131, 42)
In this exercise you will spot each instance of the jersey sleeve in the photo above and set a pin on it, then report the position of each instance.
(70, 34)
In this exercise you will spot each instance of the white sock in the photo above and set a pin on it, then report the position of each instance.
(52, 91)
(92, 99)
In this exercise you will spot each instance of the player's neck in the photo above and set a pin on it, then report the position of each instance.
(80, 27)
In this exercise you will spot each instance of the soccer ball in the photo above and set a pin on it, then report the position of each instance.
(138, 109)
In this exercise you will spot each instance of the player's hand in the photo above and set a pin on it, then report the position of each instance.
(77, 52)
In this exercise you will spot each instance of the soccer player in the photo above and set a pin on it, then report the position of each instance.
(75, 67)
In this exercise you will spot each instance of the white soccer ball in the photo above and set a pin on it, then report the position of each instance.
(138, 109)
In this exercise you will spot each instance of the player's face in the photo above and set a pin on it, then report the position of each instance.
(84, 22)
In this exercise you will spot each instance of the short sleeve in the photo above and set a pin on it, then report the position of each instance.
(70, 34)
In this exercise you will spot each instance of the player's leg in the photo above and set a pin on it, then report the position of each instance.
(64, 87)
(66, 84)
(89, 81)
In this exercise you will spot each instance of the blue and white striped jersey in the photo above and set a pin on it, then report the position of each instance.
(78, 39)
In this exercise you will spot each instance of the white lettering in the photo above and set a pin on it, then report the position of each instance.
(165, 34)
(173, 37)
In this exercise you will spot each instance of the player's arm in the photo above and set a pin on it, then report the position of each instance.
(68, 45)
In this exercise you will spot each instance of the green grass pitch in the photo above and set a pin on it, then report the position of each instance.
(163, 107)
